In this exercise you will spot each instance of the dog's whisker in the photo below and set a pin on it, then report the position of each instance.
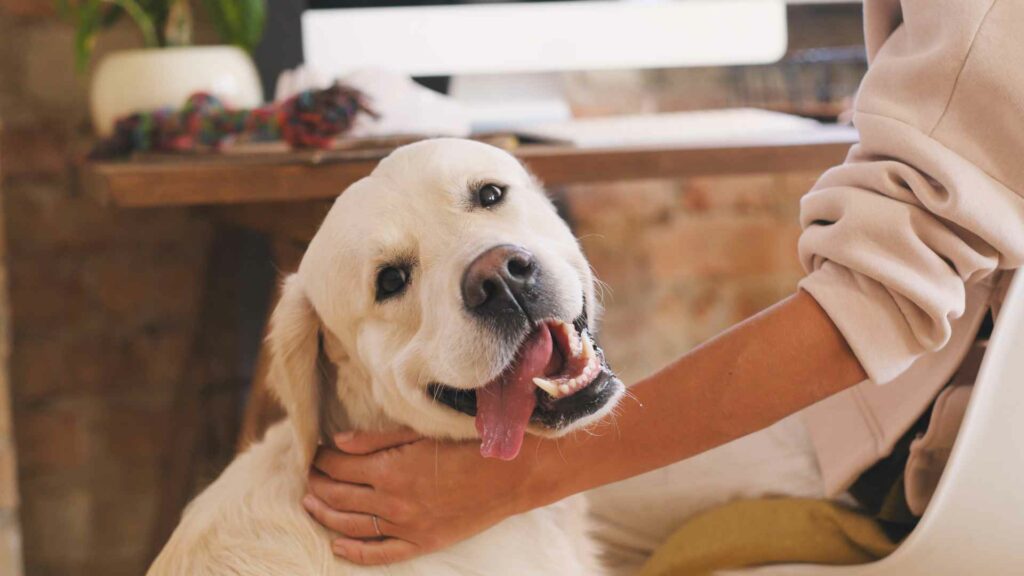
(604, 289)
(558, 445)
(627, 393)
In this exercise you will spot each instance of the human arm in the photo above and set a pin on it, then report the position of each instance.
(429, 494)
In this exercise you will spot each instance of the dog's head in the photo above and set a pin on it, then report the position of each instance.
(449, 297)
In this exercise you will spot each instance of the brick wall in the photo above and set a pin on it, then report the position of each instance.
(103, 304)
(682, 260)
(10, 533)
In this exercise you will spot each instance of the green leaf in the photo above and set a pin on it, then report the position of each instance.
(87, 17)
(238, 22)
(142, 20)
(254, 19)
(92, 16)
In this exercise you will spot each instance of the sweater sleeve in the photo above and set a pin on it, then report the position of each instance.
(930, 200)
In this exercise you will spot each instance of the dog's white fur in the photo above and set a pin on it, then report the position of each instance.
(415, 207)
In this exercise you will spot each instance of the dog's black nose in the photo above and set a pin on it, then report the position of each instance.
(500, 281)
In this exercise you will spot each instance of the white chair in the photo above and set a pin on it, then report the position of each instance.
(975, 522)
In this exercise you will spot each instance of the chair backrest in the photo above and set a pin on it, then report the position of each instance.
(975, 522)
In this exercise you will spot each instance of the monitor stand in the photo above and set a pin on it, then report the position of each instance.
(507, 102)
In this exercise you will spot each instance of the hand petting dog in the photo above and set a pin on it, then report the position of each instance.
(380, 474)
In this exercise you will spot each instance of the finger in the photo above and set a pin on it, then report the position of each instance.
(343, 467)
(343, 496)
(352, 525)
(369, 442)
(375, 552)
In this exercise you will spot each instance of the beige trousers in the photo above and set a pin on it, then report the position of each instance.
(635, 516)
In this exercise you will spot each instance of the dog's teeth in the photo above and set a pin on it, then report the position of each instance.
(548, 386)
(564, 389)
(588, 347)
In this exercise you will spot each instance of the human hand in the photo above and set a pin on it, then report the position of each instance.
(426, 494)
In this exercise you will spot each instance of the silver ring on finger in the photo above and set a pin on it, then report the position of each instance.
(376, 526)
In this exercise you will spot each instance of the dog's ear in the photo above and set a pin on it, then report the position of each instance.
(294, 373)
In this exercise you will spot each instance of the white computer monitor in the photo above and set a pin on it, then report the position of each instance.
(482, 44)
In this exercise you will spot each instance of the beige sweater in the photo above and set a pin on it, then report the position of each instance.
(906, 243)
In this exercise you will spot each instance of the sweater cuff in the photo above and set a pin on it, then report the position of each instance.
(868, 318)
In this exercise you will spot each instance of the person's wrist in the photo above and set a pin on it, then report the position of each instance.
(545, 482)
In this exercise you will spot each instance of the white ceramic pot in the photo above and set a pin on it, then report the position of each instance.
(142, 80)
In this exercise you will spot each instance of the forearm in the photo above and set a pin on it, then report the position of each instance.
(760, 371)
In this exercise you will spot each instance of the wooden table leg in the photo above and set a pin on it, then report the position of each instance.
(205, 427)
(214, 370)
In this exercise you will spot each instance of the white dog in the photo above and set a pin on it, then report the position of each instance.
(445, 294)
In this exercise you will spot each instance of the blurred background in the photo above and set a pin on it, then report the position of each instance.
(107, 312)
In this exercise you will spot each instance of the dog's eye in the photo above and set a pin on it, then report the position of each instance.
(490, 194)
(391, 281)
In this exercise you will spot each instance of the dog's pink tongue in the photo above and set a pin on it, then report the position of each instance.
(504, 406)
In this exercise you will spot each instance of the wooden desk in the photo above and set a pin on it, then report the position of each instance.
(299, 176)
(286, 195)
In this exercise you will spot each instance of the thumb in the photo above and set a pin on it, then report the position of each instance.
(354, 442)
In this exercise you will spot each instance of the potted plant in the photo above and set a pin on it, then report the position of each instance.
(169, 68)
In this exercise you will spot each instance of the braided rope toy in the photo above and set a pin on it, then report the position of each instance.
(310, 119)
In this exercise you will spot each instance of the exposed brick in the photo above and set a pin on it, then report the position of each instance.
(98, 565)
(33, 149)
(28, 8)
(6, 426)
(616, 263)
(52, 218)
(622, 204)
(56, 504)
(10, 532)
(147, 365)
(131, 290)
(110, 508)
(754, 295)
(737, 194)
(136, 288)
(8, 476)
(50, 78)
(718, 245)
(45, 296)
(130, 436)
(685, 260)
(10, 544)
(127, 517)
(57, 437)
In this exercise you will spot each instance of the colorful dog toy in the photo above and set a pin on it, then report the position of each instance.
(310, 119)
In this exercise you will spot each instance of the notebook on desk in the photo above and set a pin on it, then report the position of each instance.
(704, 128)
